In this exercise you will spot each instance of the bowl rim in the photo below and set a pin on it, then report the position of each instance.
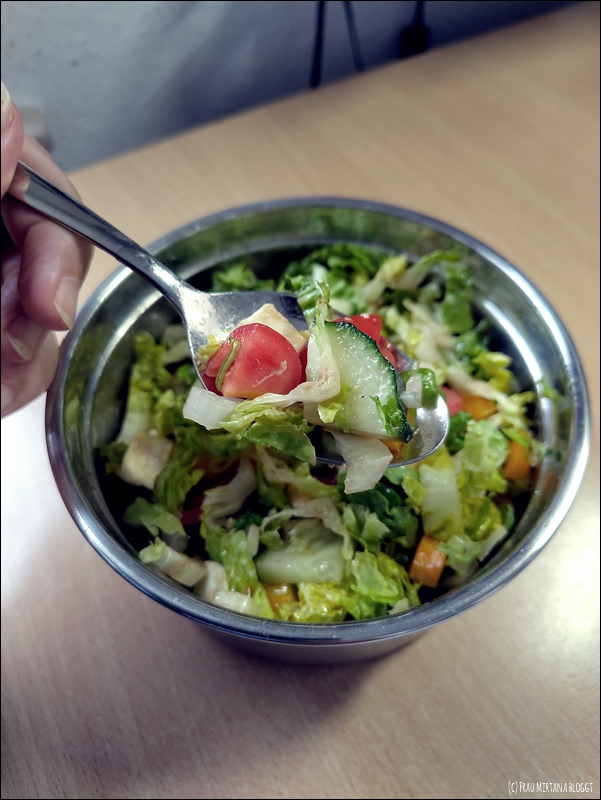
(418, 619)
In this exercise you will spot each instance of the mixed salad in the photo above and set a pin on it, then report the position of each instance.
(219, 487)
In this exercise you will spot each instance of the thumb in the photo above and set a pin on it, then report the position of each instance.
(12, 139)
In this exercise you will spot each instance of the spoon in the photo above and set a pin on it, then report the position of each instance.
(202, 313)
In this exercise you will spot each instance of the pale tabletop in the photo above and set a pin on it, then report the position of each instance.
(108, 694)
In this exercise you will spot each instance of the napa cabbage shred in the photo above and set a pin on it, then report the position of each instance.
(241, 515)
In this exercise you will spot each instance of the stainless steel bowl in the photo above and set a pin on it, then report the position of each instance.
(86, 401)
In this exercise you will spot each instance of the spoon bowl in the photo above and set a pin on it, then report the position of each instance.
(201, 312)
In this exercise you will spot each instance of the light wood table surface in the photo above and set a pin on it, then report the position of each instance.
(108, 694)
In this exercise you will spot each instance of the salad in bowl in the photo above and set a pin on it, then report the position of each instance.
(218, 481)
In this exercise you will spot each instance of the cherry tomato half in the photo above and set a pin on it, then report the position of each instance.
(454, 401)
(370, 324)
(264, 362)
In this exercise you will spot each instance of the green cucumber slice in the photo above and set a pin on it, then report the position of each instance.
(372, 405)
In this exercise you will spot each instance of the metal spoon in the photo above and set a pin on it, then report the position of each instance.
(201, 312)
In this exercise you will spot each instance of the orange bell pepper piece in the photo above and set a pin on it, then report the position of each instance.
(516, 467)
(428, 563)
(478, 407)
(280, 593)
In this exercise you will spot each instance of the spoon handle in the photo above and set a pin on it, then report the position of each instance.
(37, 192)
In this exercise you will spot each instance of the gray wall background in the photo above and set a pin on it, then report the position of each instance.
(107, 77)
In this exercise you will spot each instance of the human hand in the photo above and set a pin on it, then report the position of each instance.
(43, 266)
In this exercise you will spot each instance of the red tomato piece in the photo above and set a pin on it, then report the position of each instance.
(370, 324)
(209, 382)
(389, 352)
(454, 401)
(191, 516)
(265, 362)
(303, 360)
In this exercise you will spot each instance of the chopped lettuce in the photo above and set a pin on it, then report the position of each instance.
(493, 367)
(368, 513)
(180, 474)
(284, 429)
(148, 380)
(441, 505)
(366, 459)
(312, 554)
(485, 447)
(457, 430)
(297, 479)
(456, 308)
(111, 455)
(317, 603)
(408, 479)
(238, 278)
(461, 552)
(158, 521)
(223, 501)
(183, 569)
(341, 548)
(378, 582)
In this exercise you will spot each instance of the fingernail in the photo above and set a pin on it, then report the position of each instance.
(65, 300)
(7, 108)
(24, 335)
(7, 398)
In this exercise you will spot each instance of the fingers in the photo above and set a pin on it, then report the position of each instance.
(22, 383)
(43, 266)
(53, 262)
(39, 159)
(53, 265)
(12, 139)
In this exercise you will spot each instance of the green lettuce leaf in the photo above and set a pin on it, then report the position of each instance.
(238, 278)
(277, 473)
(370, 582)
(148, 380)
(317, 603)
(364, 526)
(430, 391)
(415, 275)
(177, 478)
(485, 447)
(493, 367)
(456, 307)
(111, 455)
(183, 569)
(394, 419)
(378, 586)
(153, 517)
(331, 412)
(311, 554)
(481, 517)
(470, 344)
(389, 509)
(387, 277)
(223, 501)
(345, 268)
(237, 562)
(455, 440)
(408, 479)
(271, 495)
(284, 429)
(398, 574)
(461, 553)
(231, 550)
(441, 507)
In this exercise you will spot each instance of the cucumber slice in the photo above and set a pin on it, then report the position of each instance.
(369, 375)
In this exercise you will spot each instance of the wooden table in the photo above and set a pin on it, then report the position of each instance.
(107, 694)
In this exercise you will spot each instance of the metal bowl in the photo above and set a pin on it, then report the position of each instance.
(87, 397)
